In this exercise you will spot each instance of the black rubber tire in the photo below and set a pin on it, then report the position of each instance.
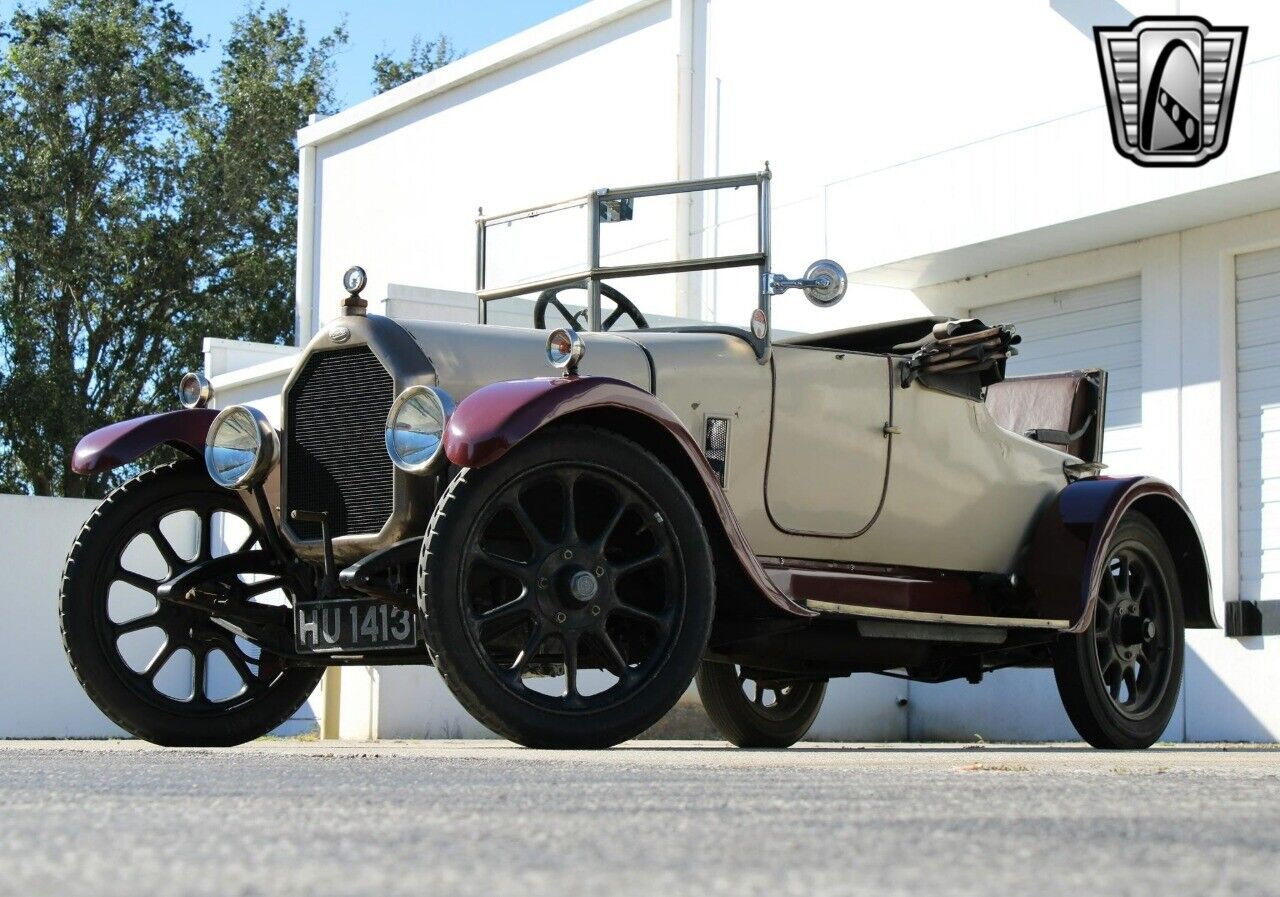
(469, 675)
(1076, 665)
(86, 581)
(738, 719)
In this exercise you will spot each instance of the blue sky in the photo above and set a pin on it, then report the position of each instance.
(376, 25)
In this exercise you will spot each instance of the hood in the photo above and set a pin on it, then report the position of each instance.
(469, 356)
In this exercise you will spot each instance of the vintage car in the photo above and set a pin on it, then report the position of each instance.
(679, 498)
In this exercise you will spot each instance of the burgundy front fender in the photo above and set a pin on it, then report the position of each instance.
(494, 419)
(128, 440)
(1067, 555)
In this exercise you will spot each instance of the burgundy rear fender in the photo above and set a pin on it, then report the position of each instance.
(1068, 551)
(496, 418)
(129, 440)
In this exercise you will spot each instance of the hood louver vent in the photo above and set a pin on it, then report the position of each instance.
(716, 445)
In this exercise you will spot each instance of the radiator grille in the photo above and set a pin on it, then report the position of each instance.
(335, 456)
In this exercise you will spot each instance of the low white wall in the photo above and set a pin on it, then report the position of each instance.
(40, 697)
(402, 702)
(863, 707)
(223, 355)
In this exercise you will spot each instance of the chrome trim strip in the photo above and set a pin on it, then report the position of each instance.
(924, 617)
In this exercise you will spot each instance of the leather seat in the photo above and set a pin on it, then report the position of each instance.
(1064, 410)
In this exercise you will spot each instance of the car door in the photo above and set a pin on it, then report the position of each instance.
(828, 460)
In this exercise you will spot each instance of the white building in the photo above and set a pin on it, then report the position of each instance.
(957, 159)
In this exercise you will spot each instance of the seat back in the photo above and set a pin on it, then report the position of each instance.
(1066, 410)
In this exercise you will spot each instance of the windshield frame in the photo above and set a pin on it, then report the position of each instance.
(589, 278)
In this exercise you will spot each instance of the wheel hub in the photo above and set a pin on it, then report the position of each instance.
(1136, 630)
(583, 586)
(573, 588)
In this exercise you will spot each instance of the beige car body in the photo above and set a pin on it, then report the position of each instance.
(811, 471)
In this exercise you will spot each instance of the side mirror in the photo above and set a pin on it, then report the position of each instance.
(829, 283)
(824, 283)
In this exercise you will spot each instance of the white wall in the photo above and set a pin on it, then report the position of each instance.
(40, 697)
(399, 197)
(402, 702)
(895, 131)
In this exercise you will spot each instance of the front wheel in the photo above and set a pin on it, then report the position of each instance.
(167, 673)
(567, 590)
(752, 711)
(1119, 679)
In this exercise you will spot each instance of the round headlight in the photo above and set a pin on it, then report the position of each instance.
(241, 447)
(194, 391)
(565, 349)
(415, 428)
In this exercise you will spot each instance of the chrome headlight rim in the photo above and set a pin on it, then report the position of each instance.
(266, 447)
(444, 406)
(194, 390)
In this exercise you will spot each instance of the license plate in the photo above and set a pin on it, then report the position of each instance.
(352, 625)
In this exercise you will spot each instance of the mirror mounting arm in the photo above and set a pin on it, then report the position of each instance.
(779, 283)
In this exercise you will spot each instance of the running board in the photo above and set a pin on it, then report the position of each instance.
(883, 613)
(905, 594)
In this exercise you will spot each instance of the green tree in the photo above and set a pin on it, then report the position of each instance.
(138, 213)
(424, 56)
(99, 238)
(270, 80)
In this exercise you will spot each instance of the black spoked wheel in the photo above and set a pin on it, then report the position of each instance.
(755, 710)
(568, 590)
(1119, 680)
(165, 672)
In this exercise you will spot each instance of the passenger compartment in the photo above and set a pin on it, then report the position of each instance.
(1066, 410)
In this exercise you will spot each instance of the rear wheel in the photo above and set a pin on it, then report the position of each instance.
(752, 711)
(567, 590)
(170, 674)
(1119, 679)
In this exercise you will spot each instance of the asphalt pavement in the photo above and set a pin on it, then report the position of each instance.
(648, 818)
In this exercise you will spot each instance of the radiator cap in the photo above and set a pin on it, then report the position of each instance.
(353, 281)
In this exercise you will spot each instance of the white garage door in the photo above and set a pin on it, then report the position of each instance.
(1258, 410)
(1096, 326)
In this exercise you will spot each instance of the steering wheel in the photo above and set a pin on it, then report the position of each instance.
(552, 297)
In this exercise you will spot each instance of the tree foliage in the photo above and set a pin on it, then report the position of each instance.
(138, 212)
(423, 57)
(271, 78)
(100, 240)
